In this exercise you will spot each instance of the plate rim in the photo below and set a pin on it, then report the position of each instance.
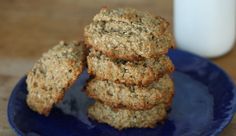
(10, 110)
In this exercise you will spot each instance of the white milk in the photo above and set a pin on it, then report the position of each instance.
(205, 27)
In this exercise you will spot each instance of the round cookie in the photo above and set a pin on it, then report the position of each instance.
(125, 118)
(128, 72)
(52, 74)
(132, 97)
(128, 34)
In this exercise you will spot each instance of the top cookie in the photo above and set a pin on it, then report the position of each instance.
(52, 74)
(128, 34)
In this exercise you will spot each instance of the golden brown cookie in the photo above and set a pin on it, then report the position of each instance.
(139, 73)
(124, 118)
(132, 97)
(128, 34)
(52, 74)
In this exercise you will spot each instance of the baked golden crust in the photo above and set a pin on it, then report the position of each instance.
(139, 73)
(131, 97)
(153, 24)
(129, 34)
(53, 74)
(121, 118)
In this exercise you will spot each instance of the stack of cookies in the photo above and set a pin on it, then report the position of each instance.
(131, 83)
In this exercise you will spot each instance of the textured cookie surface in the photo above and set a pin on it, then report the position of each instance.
(124, 118)
(128, 34)
(132, 97)
(129, 72)
(52, 74)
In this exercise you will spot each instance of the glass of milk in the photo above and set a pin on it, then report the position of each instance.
(205, 27)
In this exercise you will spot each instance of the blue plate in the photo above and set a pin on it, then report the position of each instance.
(204, 103)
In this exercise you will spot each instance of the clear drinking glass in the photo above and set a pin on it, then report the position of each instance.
(205, 27)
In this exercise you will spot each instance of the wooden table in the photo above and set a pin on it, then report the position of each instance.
(28, 28)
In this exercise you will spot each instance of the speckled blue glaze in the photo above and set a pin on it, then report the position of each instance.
(204, 103)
